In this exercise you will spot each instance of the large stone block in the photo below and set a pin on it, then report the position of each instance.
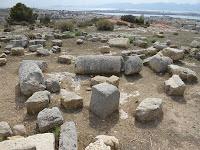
(175, 86)
(119, 42)
(149, 109)
(71, 100)
(37, 102)
(133, 65)
(68, 137)
(104, 100)
(44, 141)
(49, 118)
(31, 78)
(174, 54)
(98, 64)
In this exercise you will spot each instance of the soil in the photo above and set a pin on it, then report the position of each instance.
(179, 129)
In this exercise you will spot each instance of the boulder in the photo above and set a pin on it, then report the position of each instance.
(174, 54)
(31, 78)
(65, 59)
(49, 118)
(149, 109)
(150, 51)
(98, 145)
(70, 100)
(119, 42)
(159, 64)
(195, 44)
(79, 41)
(104, 49)
(104, 100)
(19, 129)
(68, 137)
(33, 48)
(98, 64)
(52, 85)
(175, 86)
(17, 51)
(57, 42)
(185, 74)
(5, 130)
(44, 141)
(133, 65)
(3, 61)
(43, 52)
(37, 102)
(111, 141)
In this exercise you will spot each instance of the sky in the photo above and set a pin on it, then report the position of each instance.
(46, 3)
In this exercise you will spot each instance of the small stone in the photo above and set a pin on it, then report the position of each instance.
(5, 130)
(173, 53)
(70, 100)
(149, 109)
(98, 145)
(65, 59)
(79, 41)
(3, 61)
(17, 51)
(43, 52)
(33, 48)
(19, 130)
(114, 80)
(57, 42)
(52, 85)
(175, 86)
(56, 49)
(111, 141)
(195, 44)
(3, 55)
(104, 49)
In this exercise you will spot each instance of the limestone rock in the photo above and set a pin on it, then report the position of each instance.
(57, 42)
(149, 109)
(52, 85)
(98, 145)
(174, 54)
(114, 80)
(17, 51)
(111, 141)
(119, 42)
(175, 86)
(3, 61)
(185, 74)
(37, 102)
(71, 100)
(65, 59)
(49, 118)
(5, 129)
(19, 129)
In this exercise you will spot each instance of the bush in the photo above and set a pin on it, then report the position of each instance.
(121, 23)
(128, 18)
(21, 13)
(104, 25)
(45, 20)
(140, 20)
(65, 26)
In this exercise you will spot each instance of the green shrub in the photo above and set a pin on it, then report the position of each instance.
(45, 20)
(21, 13)
(65, 26)
(104, 25)
(68, 35)
(140, 20)
(128, 18)
(131, 39)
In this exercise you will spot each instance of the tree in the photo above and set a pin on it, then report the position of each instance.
(21, 13)
(45, 20)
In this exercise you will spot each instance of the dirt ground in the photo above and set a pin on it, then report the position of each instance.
(179, 128)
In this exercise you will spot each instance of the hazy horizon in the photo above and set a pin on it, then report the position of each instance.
(49, 3)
